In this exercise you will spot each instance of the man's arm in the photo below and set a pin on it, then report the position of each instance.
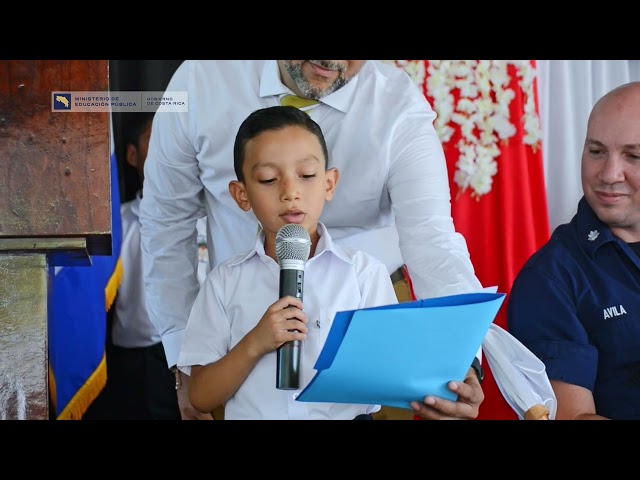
(543, 315)
(187, 411)
(171, 204)
(574, 402)
(435, 254)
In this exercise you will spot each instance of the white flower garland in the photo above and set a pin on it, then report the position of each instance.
(482, 111)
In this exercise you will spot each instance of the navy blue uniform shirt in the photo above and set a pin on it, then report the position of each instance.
(576, 305)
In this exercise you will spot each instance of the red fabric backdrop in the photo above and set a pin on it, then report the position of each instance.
(507, 224)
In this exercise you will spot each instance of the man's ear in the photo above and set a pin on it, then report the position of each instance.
(239, 194)
(132, 155)
(331, 179)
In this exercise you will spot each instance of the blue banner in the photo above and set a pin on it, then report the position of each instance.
(78, 301)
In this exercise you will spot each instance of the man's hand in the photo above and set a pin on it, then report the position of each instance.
(187, 412)
(470, 396)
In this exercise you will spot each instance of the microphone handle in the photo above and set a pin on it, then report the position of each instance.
(288, 363)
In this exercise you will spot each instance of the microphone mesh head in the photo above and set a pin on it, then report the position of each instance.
(293, 243)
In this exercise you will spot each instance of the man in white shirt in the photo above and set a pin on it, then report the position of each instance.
(394, 200)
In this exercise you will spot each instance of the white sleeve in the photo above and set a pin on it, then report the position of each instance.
(207, 336)
(435, 254)
(376, 287)
(171, 204)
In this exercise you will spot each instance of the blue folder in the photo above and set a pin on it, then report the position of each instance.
(396, 354)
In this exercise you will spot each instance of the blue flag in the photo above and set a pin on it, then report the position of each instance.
(79, 299)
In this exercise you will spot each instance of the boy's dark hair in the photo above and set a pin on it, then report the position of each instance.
(270, 119)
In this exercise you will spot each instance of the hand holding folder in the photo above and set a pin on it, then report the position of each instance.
(396, 354)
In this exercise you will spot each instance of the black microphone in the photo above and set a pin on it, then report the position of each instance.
(293, 246)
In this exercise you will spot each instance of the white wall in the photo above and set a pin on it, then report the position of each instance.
(567, 91)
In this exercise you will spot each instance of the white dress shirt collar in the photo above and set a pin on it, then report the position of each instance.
(325, 244)
(271, 84)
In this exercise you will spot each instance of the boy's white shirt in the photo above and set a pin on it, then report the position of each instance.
(234, 298)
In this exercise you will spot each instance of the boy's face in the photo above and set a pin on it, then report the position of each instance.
(286, 180)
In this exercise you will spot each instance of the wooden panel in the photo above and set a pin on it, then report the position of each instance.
(54, 166)
(23, 338)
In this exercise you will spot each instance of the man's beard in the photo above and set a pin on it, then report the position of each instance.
(306, 88)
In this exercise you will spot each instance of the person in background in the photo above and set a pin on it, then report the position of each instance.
(575, 302)
(139, 386)
(394, 200)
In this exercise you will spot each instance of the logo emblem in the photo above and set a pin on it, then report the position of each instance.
(62, 101)
(593, 234)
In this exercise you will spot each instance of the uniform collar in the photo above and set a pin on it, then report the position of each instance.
(592, 232)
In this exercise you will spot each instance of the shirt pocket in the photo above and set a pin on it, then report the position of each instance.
(617, 340)
(321, 326)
